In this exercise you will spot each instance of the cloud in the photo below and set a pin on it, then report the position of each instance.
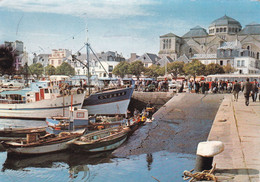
(89, 9)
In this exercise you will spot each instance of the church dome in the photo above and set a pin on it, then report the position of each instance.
(196, 32)
(225, 21)
(251, 29)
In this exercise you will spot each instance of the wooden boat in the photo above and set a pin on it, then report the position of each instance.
(21, 132)
(78, 119)
(104, 140)
(46, 144)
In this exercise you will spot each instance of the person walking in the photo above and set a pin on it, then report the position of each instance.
(247, 88)
(254, 91)
(236, 89)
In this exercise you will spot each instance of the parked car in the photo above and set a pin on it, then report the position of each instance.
(12, 83)
(174, 84)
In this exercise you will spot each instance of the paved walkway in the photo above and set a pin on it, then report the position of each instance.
(238, 127)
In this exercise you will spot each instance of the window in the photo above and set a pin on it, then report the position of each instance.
(243, 63)
(59, 61)
(110, 68)
(257, 55)
(225, 29)
(169, 43)
(51, 61)
(217, 30)
(238, 63)
(105, 75)
(110, 75)
(80, 114)
(242, 53)
(221, 62)
(229, 29)
(190, 50)
(146, 65)
(220, 29)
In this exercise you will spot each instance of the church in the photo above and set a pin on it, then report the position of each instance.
(225, 42)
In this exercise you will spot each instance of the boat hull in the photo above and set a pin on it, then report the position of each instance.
(38, 149)
(41, 109)
(101, 146)
(111, 102)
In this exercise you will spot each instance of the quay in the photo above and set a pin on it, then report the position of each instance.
(238, 127)
(189, 118)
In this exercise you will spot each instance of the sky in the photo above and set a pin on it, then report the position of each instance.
(125, 26)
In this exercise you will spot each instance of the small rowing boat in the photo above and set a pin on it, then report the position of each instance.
(41, 145)
(104, 140)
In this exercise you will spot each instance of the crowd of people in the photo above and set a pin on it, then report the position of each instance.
(152, 86)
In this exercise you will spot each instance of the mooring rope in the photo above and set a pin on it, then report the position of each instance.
(199, 176)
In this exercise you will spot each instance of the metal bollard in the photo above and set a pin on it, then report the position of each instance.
(205, 153)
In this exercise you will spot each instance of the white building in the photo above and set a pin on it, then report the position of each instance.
(246, 65)
(101, 67)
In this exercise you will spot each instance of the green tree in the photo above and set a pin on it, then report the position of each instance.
(65, 69)
(229, 69)
(153, 71)
(50, 70)
(176, 68)
(194, 68)
(121, 69)
(213, 68)
(136, 68)
(36, 69)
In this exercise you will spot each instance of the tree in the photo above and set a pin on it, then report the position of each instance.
(65, 69)
(36, 69)
(136, 68)
(153, 71)
(229, 69)
(50, 70)
(194, 68)
(121, 69)
(176, 68)
(213, 68)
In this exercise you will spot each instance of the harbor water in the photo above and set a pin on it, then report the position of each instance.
(67, 166)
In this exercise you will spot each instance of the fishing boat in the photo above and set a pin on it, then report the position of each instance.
(104, 140)
(109, 102)
(77, 119)
(43, 99)
(5, 133)
(41, 145)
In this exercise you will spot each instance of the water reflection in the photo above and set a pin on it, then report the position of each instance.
(77, 162)
(149, 160)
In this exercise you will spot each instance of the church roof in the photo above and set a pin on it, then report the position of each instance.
(204, 56)
(251, 29)
(169, 35)
(183, 58)
(225, 20)
(197, 31)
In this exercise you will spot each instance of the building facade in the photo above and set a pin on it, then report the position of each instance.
(18, 48)
(100, 66)
(208, 46)
(57, 57)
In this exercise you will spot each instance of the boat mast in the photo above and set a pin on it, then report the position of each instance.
(87, 47)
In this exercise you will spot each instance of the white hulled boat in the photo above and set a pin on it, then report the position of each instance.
(41, 100)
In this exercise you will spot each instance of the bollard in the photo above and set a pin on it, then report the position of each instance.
(205, 153)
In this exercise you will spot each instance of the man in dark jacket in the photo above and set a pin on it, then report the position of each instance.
(254, 91)
(236, 90)
(247, 88)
